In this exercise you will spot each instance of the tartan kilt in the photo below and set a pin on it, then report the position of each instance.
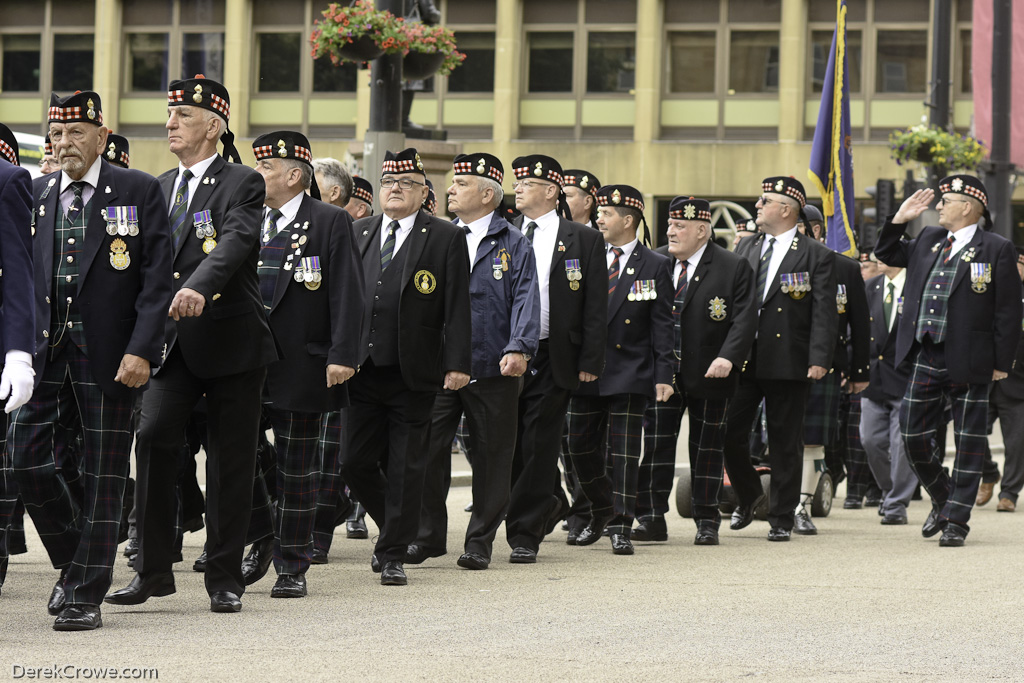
(821, 417)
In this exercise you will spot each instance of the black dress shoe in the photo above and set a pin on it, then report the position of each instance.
(257, 562)
(953, 536)
(200, 564)
(473, 561)
(803, 525)
(56, 602)
(743, 515)
(416, 554)
(650, 529)
(393, 574)
(225, 601)
(192, 525)
(572, 536)
(778, 534)
(932, 525)
(131, 548)
(852, 504)
(522, 556)
(593, 531)
(375, 564)
(141, 588)
(78, 618)
(621, 544)
(706, 536)
(289, 586)
(872, 502)
(893, 519)
(319, 556)
(356, 528)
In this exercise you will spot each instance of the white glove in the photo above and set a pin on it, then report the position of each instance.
(17, 380)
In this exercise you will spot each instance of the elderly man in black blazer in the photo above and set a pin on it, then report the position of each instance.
(102, 286)
(216, 343)
(572, 276)
(796, 339)
(960, 327)
(415, 341)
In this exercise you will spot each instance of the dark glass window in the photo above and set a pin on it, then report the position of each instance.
(203, 53)
(821, 44)
(147, 62)
(611, 62)
(550, 68)
(476, 73)
(279, 55)
(72, 62)
(754, 61)
(21, 63)
(692, 62)
(330, 78)
(902, 64)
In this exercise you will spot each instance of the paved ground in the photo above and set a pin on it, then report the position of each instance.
(860, 602)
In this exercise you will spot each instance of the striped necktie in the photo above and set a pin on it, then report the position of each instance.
(681, 287)
(947, 250)
(179, 208)
(77, 203)
(270, 226)
(762, 269)
(531, 228)
(388, 250)
(613, 270)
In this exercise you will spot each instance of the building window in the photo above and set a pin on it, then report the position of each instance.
(330, 78)
(477, 72)
(902, 65)
(966, 83)
(550, 61)
(821, 46)
(754, 61)
(148, 56)
(72, 61)
(20, 60)
(203, 53)
(611, 62)
(280, 57)
(46, 45)
(691, 61)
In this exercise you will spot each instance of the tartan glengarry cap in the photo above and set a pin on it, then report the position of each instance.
(785, 185)
(406, 161)
(201, 92)
(622, 196)
(585, 180)
(117, 150)
(539, 167)
(430, 203)
(9, 145)
(966, 185)
(362, 189)
(81, 107)
(481, 164)
(283, 144)
(689, 209)
(47, 146)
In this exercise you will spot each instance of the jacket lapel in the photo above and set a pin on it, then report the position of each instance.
(626, 279)
(963, 266)
(699, 273)
(414, 244)
(46, 212)
(199, 199)
(367, 240)
(565, 238)
(96, 226)
(794, 255)
(285, 276)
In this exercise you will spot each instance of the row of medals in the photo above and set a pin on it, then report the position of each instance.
(312, 278)
(122, 227)
(646, 293)
(207, 233)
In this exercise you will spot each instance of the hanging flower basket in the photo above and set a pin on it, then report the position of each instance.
(432, 50)
(357, 33)
(362, 49)
(937, 147)
(417, 66)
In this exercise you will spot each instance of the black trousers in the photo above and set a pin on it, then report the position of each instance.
(542, 406)
(384, 460)
(785, 403)
(490, 407)
(233, 420)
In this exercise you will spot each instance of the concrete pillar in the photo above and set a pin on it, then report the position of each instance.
(792, 72)
(647, 91)
(508, 41)
(237, 58)
(107, 47)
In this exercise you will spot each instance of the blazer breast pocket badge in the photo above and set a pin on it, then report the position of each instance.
(841, 299)
(120, 259)
(121, 220)
(981, 276)
(795, 284)
(716, 309)
(424, 281)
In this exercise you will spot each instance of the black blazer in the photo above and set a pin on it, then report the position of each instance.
(577, 319)
(722, 286)
(888, 381)
(982, 329)
(639, 348)
(123, 311)
(232, 335)
(318, 327)
(434, 328)
(851, 356)
(1013, 385)
(794, 334)
(17, 308)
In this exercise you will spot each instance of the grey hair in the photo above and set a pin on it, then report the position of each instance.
(209, 114)
(307, 171)
(494, 186)
(334, 173)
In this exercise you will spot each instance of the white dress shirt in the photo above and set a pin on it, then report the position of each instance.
(288, 212)
(961, 238)
(91, 180)
(691, 265)
(782, 244)
(476, 234)
(404, 228)
(897, 292)
(544, 238)
(627, 251)
(198, 171)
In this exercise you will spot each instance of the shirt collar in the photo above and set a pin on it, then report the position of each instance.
(480, 226)
(91, 177)
(964, 235)
(695, 259)
(545, 221)
(198, 169)
(627, 249)
(290, 209)
(404, 224)
(900, 278)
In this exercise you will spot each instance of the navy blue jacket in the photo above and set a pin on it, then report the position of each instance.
(17, 312)
(888, 381)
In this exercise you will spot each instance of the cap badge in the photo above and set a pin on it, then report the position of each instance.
(689, 211)
(111, 151)
(957, 184)
(780, 185)
(538, 169)
(419, 163)
(585, 181)
(92, 111)
(198, 97)
(616, 197)
(481, 166)
(282, 151)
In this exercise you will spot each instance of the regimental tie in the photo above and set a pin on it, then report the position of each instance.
(270, 225)
(888, 303)
(388, 250)
(179, 208)
(762, 269)
(681, 289)
(613, 270)
(77, 203)
(531, 228)
(947, 250)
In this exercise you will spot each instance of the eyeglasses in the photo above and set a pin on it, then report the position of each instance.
(765, 201)
(525, 184)
(962, 201)
(404, 183)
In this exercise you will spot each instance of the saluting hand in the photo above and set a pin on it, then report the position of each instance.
(339, 374)
(133, 371)
(914, 205)
(455, 380)
(187, 303)
(719, 368)
(664, 392)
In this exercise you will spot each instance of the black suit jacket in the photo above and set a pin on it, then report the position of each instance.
(888, 381)
(123, 311)
(17, 308)
(982, 329)
(794, 334)
(1013, 386)
(434, 328)
(725, 276)
(639, 349)
(315, 328)
(851, 356)
(232, 334)
(577, 319)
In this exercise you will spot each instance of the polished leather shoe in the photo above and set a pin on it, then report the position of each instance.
(522, 556)
(803, 525)
(894, 519)
(393, 574)
(872, 502)
(593, 531)
(852, 504)
(289, 586)
(932, 525)
(200, 564)
(142, 588)
(78, 618)
(56, 602)
(131, 548)
(356, 528)
(374, 564)
(473, 561)
(1006, 505)
(416, 554)
(225, 602)
(621, 544)
(778, 534)
(953, 536)
(572, 536)
(650, 529)
(318, 556)
(743, 515)
(985, 493)
(706, 536)
(257, 562)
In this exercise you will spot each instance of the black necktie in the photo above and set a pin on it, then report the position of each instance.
(531, 227)
(388, 250)
(762, 269)
(178, 209)
(75, 210)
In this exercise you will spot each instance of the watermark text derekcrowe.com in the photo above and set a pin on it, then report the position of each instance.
(72, 672)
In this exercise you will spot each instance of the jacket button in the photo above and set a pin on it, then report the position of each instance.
(780, 310)
(46, 334)
(618, 346)
(177, 276)
(47, 299)
(627, 321)
(216, 296)
(881, 357)
(778, 336)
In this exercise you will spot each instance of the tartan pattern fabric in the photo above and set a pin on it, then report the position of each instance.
(657, 469)
(931, 320)
(858, 474)
(69, 239)
(821, 417)
(921, 412)
(297, 438)
(612, 425)
(179, 208)
(272, 255)
(298, 152)
(8, 153)
(331, 485)
(81, 538)
(707, 458)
